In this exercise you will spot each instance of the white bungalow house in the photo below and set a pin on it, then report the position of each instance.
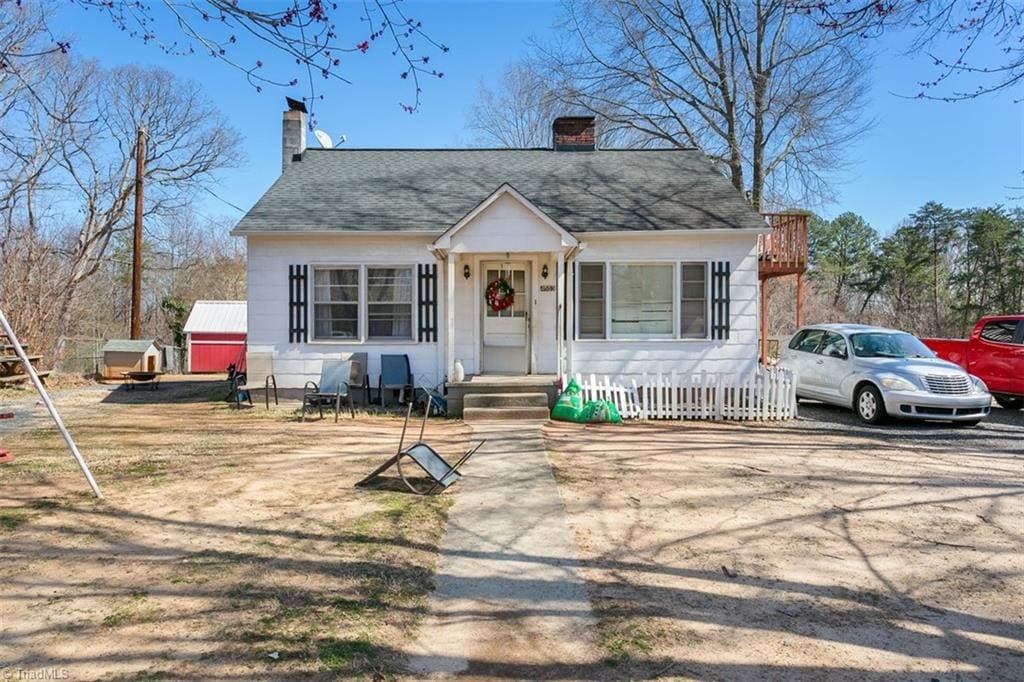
(614, 262)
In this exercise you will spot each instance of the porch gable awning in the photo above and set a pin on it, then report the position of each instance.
(444, 241)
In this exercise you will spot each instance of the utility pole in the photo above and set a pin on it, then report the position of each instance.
(140, 171)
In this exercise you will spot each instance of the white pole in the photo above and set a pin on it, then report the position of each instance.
(30, 370)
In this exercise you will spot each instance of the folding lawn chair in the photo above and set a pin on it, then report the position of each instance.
(333, 386)
(258, 376)
(359, 378)
(395, 375)
(433, 465)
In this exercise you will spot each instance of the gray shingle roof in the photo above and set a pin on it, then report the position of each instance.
(431, 190)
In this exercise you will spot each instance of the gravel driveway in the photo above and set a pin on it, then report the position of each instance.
(1002, 431)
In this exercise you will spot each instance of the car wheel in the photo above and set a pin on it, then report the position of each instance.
(1009, 403)
(869, 406)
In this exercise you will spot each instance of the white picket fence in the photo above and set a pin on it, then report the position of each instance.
(767, 394)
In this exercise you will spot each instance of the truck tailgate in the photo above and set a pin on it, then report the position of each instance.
(954, 350)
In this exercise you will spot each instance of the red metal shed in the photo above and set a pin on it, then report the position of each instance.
(215, 336)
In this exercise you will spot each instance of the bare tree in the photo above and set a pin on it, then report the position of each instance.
(67, 161)
(186, 141)
(306, 41)
(756, 85)
(187, 257)
(975, 46)
(25, 147)
(516, 113)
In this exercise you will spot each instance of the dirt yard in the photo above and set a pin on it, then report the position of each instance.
(723, 551)
(231, 544)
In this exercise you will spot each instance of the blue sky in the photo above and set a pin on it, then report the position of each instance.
(961, 154)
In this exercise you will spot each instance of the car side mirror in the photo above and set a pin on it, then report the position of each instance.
(836, 353)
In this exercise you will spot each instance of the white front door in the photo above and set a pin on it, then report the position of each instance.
(506, 333)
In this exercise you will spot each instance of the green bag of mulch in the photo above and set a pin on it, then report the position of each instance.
(600, 411)
(569, 406)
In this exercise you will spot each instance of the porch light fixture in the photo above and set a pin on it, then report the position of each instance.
(544, 271)
(466, 272)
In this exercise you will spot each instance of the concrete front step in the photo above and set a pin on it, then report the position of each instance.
(490, 385)
(503, 413)
(506, 400)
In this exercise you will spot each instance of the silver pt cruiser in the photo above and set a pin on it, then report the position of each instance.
(882, 372)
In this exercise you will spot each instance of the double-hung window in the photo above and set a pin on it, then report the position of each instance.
(642, 300)
(389, 303)
(693, 295)
(592, 301)
(655, 300)
(355, 302)
(336, 303)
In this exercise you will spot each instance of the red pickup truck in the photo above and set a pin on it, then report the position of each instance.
(994, 354)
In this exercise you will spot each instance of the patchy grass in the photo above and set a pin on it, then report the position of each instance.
(388, 588)
(621, 635)
(13, 518)
(229, 535)
(624, 640)
(136, 610)
(337, 654)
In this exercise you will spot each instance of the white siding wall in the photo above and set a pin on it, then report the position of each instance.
(545, 316)
(506, 226)
(269, 258)
(296, 363)
(466, 311)
(627, 359)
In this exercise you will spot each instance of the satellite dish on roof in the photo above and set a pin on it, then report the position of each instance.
(342, 138)
(324, 139)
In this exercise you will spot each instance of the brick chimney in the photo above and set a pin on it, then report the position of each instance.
(293, 132)
(573, 134)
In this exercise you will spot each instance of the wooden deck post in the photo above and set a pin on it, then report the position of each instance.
(799, 300)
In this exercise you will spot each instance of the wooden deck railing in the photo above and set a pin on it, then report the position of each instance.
(784, 250)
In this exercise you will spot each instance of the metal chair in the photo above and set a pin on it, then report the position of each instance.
(258, 376)
(395, 375)
(441, 474)
(333, 386)
(360, 377)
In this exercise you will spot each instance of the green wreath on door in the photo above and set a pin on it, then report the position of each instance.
(499, 294)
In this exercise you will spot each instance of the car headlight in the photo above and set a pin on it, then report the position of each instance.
(979, 385)
(895, 383)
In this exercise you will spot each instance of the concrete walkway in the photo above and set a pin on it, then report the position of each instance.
(509, 599)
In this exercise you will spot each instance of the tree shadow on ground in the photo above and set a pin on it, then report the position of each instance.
(905, 556)
(240, 537)
(169, 392)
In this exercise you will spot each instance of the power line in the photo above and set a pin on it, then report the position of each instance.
(219, 197)
(210, 191)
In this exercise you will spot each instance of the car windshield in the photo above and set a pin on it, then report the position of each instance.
(889, 345)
